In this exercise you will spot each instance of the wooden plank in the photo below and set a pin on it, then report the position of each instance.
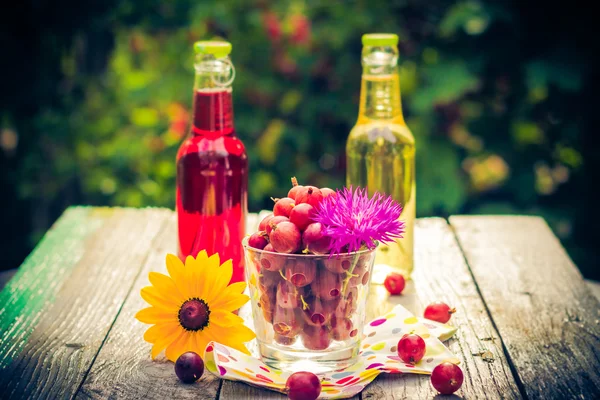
(39, 279)
(547, 318)
(123, 368)
(67, 331)
(441, 275)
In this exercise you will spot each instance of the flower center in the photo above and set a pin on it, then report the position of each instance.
(193, 314)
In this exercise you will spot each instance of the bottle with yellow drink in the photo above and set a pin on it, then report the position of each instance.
(381, 149)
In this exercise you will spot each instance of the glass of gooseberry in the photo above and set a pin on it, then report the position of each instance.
(308, 310)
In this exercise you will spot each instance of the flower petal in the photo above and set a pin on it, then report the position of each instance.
(212, 285)
(165, 285)
(231, 290)
(165, 341)
(226, 272)
(153, 315)
(156, 299)
(196, 271)
(225, 337)
(200, 343)
(233, 303)
(155, 332)
(224, 318)
(213, 261)
(177, 346)
(176, 270)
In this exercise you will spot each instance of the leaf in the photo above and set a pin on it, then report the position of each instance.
(444, 83)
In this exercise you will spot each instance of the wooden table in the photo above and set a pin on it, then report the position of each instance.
(528, 326)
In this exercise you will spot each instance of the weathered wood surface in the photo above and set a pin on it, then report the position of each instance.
(123, 368)
(67, 328)
(441, 274)
(67, 296)
(548, 320)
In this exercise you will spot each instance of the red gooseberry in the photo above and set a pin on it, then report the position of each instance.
(438, 311)
(394, 283)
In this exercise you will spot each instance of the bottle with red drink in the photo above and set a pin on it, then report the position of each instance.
(212, 165)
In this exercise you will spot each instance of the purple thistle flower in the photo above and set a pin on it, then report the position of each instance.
(351, 219)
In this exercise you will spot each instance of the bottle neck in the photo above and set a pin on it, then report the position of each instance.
(380, 86)
(213, 112)
(213, 105)
(380, 98)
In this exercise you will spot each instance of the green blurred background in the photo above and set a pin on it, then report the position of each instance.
(96, 99)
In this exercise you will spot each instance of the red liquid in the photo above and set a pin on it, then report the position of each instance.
(212, 183)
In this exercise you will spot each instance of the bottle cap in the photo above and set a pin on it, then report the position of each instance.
(380, 39)
(216, 48)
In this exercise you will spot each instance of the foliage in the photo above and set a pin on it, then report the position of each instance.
(497, 128)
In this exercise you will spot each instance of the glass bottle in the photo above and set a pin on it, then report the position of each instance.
(212, 165)
(381, 149)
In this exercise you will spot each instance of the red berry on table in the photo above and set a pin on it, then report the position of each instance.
(447, 378)
(189, 367)
(273, 222)
(394, 283)
(411, 348)
(263, 224)
(283, 207)
(301, 215)
(438, 311)
(258, 240)
(303, 386)
(310, 195)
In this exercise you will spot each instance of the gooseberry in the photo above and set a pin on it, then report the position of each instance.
(285, 237)
(447, 378)
(258, 240)
(341, 328)
(314, 239)
(316, 337)
(310, 195)
(263, 224)
(326, 192)
(301, 215)
(283, 207)
(411, 348)
(300, 272)
(189, 367)
(327, 286)
(394, 283)
(286, 323)
(303, 386)
(271, 262)
(274, 221)
(438, 311)
(315, 313)
(295, 188)
(287, 295)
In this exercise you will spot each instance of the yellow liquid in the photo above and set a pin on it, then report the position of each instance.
(381, 157)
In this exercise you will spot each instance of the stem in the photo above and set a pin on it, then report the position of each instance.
(349, 274)
(294, 181)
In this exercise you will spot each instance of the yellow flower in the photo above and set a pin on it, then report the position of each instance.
(193, 306)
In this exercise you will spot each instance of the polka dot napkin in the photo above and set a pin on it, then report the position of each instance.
(377, 355)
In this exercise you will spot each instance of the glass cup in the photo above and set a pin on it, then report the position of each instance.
(308, 310)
